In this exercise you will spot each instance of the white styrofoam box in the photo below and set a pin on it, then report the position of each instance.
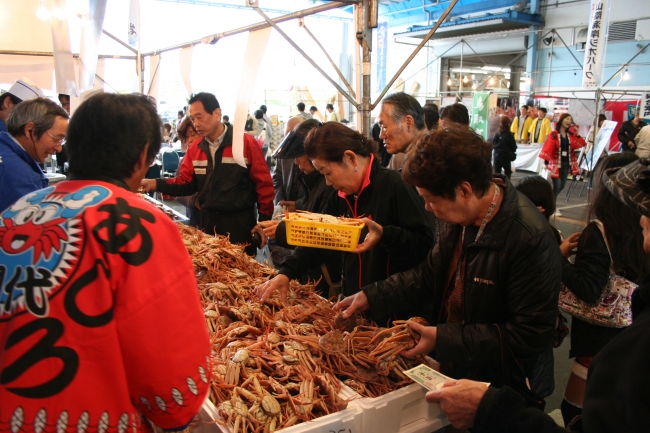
(348, 420)
(404, 410)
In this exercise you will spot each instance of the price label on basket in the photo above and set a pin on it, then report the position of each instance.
(427, 377)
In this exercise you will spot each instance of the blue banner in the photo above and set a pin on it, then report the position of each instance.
(382, 49)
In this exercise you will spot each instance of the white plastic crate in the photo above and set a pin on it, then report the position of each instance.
(404, 410)
(348, 420)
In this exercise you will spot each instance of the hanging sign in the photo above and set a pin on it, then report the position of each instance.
(645, 108)
(382, 50)
(595, 46)
(480, 109)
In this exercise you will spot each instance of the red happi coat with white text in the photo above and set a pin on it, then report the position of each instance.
(100, 322)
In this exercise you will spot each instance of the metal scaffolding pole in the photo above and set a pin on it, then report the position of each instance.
(257, 26)
(442, 18)
(309, 59)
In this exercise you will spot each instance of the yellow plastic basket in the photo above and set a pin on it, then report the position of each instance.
(304, 233)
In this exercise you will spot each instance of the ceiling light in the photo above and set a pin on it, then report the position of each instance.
(473, 86)
(491, 81)
(42, 13)
(465, 79)
(449, 81)
(626, 75)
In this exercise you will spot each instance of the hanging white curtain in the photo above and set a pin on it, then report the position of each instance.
(63, 63)
(257, 42)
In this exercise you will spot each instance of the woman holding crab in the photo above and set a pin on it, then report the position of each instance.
(401, 235)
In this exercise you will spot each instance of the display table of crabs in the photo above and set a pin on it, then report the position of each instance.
(280, 363)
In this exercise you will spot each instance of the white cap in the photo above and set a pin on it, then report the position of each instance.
(25, 90)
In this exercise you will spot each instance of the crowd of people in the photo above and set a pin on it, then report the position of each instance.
(447, 237)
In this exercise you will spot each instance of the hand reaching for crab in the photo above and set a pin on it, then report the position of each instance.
(352, 304)
(269, 228)
(279, 282)
(375, 232)
(427, 343)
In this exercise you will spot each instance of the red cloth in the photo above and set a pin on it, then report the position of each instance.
(551, 152)
(100, 320)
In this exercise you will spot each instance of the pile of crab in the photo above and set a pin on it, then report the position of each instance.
(280, 363)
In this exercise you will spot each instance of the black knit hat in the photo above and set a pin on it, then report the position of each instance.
(631, 184)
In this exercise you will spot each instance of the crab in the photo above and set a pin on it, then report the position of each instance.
(298, 350)
(265, 409)
(235, 411)
(234, 365)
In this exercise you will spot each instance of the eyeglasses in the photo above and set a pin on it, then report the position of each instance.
(61, 141)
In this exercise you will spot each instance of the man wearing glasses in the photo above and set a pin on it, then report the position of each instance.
(36, 129)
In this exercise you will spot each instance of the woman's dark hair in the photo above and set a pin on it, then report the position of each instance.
(624, 235)
(447, 157)
(108, 133)
(601, 118)
(504, 125)
(167, 126)
(539, 191)
(456, 113)
(182, 128)
(558, 125)
(431, 116)
(402, 105)
(208, 100)
(330, 141)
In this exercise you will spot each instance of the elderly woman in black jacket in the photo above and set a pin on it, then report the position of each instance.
(348, 161)
(616, 398)
(493, 275)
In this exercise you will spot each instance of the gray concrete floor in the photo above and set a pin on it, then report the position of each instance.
(574, 214)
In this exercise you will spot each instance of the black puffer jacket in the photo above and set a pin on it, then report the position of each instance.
(512, 278)
(406, 240)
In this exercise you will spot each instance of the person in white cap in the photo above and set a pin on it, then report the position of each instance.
(20, 91)
(36, 129)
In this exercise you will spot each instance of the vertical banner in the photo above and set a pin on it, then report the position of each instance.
(595, 47)
(90, 35)
(645, 108)
(480, 110)
(134, 22)
(382, 50)
(185, 64)
(255, 48)
(66, 81)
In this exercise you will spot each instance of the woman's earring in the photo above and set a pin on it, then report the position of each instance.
(355, 169)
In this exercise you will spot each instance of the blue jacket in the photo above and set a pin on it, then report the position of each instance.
(19, 172)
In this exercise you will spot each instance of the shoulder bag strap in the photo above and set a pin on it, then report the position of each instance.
(602, 231)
